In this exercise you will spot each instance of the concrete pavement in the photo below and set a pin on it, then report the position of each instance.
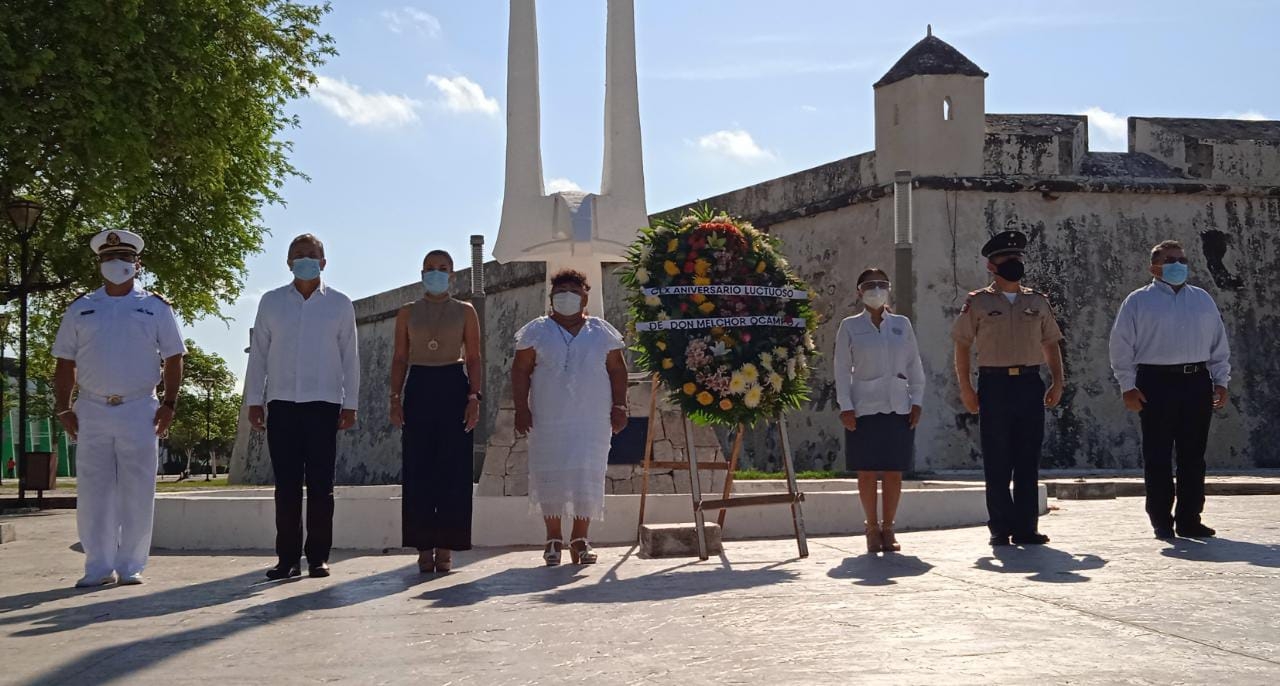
(1103, 603)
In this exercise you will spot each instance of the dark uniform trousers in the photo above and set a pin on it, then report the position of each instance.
(1176, 417)
(303, 441)
(1012, 428)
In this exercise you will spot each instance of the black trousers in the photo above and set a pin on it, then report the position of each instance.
(1175, 422)
(1012, 420)
(303, 440)
(436, 471)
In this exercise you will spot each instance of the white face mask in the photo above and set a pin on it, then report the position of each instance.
(875, 298)
(566, 304)
(118, 271)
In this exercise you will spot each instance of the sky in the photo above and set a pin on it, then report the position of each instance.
(403, 135)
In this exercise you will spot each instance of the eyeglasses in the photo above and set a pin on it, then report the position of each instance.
(873, 284)
(1175, 260)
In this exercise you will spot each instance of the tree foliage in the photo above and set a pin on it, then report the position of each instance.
(161, 116)
(208, 409)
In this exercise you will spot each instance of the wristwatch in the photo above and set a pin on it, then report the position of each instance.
(624, 408)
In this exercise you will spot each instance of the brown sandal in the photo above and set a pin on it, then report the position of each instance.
(874, 542)
(889, 541)
(426, 563)
(444, 565)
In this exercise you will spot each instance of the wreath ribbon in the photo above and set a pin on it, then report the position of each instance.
(722, 322)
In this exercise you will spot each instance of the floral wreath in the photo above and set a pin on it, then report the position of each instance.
(720, 318)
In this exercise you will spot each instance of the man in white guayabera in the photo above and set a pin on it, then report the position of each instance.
(302, 387)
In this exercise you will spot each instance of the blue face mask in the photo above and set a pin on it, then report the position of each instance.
(1174, 274)
(436, 282)
(306, 268)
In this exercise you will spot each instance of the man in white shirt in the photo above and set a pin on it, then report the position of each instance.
(1169, 353)
(302, 387)
(114, 345)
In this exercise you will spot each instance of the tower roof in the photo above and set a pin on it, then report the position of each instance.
(931, 55)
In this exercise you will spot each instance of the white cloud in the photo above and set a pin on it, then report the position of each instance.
(412, 18)
(1247, 115)
(358, 108)
(735, 144)
(808, 108)
(1107, 130)
(560, 184)
(463, 95)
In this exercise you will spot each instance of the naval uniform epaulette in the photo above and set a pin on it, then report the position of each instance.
(161, 298)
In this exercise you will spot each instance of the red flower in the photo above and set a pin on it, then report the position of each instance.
(688, 267)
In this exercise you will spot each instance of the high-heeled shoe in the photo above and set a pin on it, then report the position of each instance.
(888, 539)
(874, 543)
(426, 563)
(551, 554)
(444, 564)
(584, 555)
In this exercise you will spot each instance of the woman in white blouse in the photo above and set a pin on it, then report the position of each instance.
(879, 385)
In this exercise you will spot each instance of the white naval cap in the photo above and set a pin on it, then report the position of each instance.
(116, 239)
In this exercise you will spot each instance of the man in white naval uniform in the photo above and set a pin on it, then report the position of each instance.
(114, 345)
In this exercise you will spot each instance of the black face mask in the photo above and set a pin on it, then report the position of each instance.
(1013, 270)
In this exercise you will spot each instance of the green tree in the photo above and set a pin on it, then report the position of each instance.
(165, 117)
(204, 426)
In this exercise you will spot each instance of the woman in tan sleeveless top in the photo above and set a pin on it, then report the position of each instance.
(437, 347)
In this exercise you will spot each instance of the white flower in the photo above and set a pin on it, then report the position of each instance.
(791, 369)
(753, 397)
(775, 382)
(750, 372)
(719, 349)
(780, 353)
(646, 251)
(642, 276)
(808, 342)
(738, 383)
(688, 221)
(662, 316)
(766, 360)
(652, 300)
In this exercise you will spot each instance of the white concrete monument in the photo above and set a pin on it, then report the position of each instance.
(572, 229)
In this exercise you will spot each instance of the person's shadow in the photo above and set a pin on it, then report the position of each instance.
(872, 570)
(508, 582)
(1040, 563)
(1223, 550)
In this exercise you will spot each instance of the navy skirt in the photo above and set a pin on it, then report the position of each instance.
(882, 443)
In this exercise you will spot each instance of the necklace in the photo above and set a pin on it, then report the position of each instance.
(568, 339)
(432, 343)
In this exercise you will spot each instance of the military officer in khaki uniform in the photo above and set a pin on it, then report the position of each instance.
(1014, 332)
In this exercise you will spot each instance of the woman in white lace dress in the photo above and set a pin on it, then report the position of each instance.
(570, 385)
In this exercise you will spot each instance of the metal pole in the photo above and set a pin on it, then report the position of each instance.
(25, 240)
(477, 301)
(4, 382)
(695, 487)
(903, 238)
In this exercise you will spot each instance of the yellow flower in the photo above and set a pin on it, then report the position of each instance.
(642, 275)
(760, 267)
(750, 372)
(652, 301)
(753, 397)
(671, 244)
(738, 383)
(670, 268)
(707, 307)
(667, 363)
(726, 404)
(662, 345)
(690, 388)
(705, 398)
(775, 382)
(701, 267)
(717, 331)
(702, 281)
(698, 298)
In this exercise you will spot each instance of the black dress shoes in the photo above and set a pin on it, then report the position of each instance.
(1196, 531)
(1031, 539)
(283, 571)
(1164, 533)
(998, 540)
(318, 571)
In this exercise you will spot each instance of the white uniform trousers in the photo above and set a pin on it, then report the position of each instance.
(117, 456)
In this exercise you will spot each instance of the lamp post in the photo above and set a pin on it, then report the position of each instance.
(24, 213)
(4, 383)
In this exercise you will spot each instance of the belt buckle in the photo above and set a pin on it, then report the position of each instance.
(114, 400)
(1015, 371)
(1190, 368)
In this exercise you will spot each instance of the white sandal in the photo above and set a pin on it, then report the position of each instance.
(551, 554)
(587, 556)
